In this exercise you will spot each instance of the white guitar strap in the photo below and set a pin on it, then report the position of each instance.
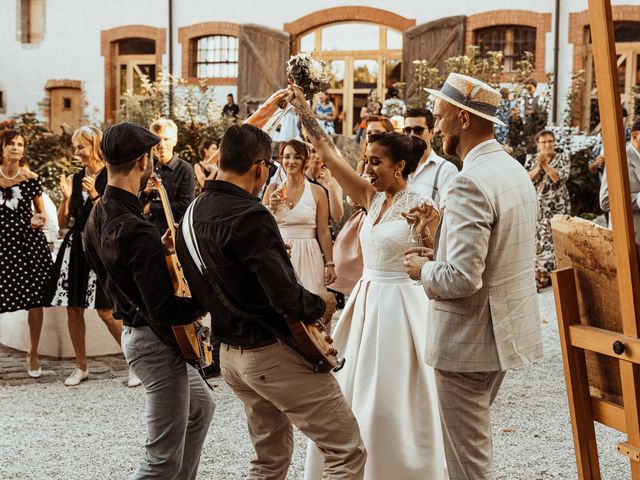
(190, 239)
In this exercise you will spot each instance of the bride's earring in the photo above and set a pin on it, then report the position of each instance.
(397, 174)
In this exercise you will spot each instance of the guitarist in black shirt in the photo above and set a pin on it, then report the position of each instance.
(128, 257)
(249, 286)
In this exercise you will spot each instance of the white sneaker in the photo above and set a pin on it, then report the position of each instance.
(134, 381)
(76, 377)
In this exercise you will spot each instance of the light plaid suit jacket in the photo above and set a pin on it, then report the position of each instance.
(633, 162)
(484, 310)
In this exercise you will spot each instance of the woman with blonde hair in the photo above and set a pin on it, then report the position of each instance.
(25, 259)
(73, 284)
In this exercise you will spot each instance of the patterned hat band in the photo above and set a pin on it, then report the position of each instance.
(458, 96)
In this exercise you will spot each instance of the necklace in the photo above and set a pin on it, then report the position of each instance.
(8, 177)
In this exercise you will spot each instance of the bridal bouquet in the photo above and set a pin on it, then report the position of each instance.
(308, 73)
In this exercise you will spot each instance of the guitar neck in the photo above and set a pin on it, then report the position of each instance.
(166, 206)
(182, 289)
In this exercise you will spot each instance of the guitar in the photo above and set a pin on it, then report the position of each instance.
(314, 343)
(192, 338)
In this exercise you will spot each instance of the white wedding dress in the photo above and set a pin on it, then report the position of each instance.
(382, 333)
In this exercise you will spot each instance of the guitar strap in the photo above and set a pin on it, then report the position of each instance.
(191, 242)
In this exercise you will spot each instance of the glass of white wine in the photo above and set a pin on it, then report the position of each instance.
(415, 240)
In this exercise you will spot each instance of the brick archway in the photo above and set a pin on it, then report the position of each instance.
(578, 23)
(187, 37)
(108, 40)
(347, 14)
(526, 18)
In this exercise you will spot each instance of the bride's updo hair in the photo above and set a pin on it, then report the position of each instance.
(401, 147)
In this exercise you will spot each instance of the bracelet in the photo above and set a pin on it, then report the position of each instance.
(329, 264)
(93, 199)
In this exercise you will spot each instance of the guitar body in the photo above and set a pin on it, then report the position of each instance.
(193, 341)
(192, 338)
(315, 343)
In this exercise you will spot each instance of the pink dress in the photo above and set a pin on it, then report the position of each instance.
(298, 228)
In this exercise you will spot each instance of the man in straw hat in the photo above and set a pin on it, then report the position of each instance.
(481, 282)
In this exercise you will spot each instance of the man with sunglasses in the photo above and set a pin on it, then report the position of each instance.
(238, 269)
(434, 172)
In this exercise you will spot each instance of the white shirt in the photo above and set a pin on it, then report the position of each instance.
(424, 178)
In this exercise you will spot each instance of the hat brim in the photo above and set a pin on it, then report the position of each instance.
(442, 96)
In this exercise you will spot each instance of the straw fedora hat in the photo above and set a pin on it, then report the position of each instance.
(471, 95)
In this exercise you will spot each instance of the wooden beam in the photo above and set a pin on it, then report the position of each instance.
(575, 372)
(602, 341)
(604, 54)
(609, 414)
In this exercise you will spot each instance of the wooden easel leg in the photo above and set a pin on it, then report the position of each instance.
(575, 371)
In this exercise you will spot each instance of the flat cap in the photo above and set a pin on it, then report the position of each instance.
(124, 142)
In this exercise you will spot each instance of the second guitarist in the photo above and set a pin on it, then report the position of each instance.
(248, 274)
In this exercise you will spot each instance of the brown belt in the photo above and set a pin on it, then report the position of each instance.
(253, 346)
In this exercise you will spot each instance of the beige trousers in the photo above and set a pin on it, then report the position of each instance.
(465, 400)
(278, 389)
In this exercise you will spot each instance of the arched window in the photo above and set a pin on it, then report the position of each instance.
(361, 56)
(512, 40)
(216, 57)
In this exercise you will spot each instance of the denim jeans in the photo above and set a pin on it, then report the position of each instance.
(179, 407)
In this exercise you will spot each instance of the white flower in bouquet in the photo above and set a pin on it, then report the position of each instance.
(308, 73)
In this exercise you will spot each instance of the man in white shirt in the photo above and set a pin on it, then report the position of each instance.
(433, 174)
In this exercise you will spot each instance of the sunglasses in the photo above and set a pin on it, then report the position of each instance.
(416, 130)
(273, 168)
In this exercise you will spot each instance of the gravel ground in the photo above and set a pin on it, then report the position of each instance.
(96, 431)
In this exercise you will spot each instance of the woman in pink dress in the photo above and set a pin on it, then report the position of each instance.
(302, 212)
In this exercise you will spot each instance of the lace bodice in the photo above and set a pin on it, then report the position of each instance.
(384, 244)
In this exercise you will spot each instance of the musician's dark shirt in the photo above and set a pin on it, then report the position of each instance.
(245, 257)
(131, 266)
(179, 181)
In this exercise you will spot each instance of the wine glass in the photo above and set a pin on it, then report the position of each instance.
(415, 240)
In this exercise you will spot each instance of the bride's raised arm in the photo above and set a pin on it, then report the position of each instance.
(360, 190)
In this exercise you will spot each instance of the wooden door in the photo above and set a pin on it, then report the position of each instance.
(433, 41)
(262, 62)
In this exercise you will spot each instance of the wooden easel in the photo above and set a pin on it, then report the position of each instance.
(582, 342)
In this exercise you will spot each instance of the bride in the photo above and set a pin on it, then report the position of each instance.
(382, 330)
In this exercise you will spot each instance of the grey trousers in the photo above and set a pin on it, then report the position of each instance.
(179, 407)
(279, 389)
(465, 400)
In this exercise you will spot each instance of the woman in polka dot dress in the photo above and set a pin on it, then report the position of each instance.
(25, 259)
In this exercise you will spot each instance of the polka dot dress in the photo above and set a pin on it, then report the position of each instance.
(25, 258)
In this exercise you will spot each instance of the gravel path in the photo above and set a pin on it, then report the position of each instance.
(96, 431)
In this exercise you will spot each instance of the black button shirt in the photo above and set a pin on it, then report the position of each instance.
(130, 264)
(245, 256)
(179, 181)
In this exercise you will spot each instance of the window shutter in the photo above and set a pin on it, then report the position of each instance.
(262, 56)
(433, 41)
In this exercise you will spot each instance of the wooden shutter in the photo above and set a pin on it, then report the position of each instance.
(433, 41)
(262, 56)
